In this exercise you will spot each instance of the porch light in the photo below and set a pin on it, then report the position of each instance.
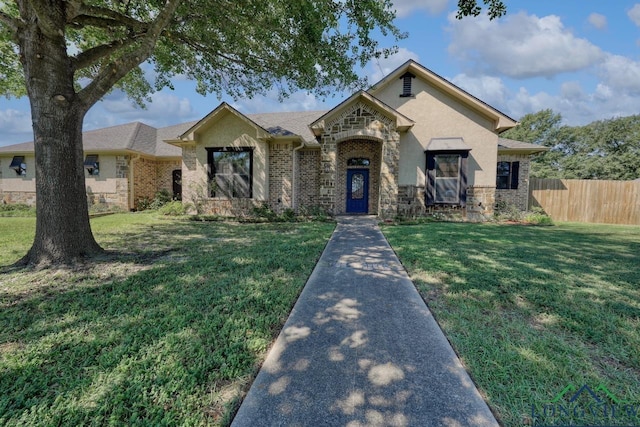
(18, 165)
(91, 164)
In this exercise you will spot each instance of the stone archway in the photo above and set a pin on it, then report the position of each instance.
(360, 128)
(370, 149)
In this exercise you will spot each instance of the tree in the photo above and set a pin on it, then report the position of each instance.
(67, 54)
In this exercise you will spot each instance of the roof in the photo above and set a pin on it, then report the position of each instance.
(447, 144)
(402, 122)
(506, 146)
(501, 120)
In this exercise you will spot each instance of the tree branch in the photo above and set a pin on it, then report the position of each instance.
(104, 13)
(116, 70)
(81, 21)
(91, 56)
(46, 14)
(9, 22)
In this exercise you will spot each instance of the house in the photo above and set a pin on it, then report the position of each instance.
(411, 144)
(123, 165)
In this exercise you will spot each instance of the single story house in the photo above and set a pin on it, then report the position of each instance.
(411, 144)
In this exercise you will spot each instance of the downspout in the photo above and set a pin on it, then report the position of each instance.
(294, 200)
(132, 181)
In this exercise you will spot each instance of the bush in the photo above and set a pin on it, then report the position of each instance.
(18, 209)
(160, 199)
(538, 216)
(175, 208)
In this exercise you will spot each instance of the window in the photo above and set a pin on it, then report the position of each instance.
(447, 178)
(92, 165)
(406, 85)
(230, 172)
(358, 161)
(357, 186)
(447, 187)
(18, 165)
(507, 175)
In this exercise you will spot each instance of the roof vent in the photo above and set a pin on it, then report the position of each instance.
(406, 84)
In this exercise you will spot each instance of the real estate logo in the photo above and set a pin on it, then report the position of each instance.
(586, 407)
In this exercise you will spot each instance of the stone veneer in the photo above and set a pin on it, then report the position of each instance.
(360, 122)
(479, 205)
(520, 196)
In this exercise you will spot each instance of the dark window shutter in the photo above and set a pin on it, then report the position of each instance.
(515, 169)
(431, 180)
(463, 178)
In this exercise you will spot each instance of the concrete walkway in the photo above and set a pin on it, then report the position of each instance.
(361, 348)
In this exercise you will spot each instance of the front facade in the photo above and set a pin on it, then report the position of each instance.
(412, 144)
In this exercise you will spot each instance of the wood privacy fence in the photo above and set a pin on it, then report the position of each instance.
(583, 200)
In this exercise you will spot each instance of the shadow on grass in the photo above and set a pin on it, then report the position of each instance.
(532, 309)
(167, 333)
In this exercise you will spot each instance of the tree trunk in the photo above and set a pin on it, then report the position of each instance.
(63, 233)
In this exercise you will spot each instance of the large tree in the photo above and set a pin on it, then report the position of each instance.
(67, 54)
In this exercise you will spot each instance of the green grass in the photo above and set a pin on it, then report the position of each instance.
(168, 332)
(531, 310)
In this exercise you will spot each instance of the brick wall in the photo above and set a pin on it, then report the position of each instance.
(151, 176)
(519, 197)
(411, 201)
(359, 148)
(280, 176)
(480, 202)
(308, 178)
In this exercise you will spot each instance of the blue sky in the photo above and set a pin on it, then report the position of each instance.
(580, 58)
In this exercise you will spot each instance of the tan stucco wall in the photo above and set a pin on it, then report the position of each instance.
(438, 115)
(11, 182)
(105, 182)
(229, 131)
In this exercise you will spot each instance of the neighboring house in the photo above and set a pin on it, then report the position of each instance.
(123, 165)
(413, 143)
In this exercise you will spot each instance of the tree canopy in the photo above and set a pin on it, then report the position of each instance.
(605, 149)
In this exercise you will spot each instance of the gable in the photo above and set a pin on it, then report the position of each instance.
(393, 91)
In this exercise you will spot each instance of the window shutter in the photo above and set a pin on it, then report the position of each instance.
(515, 169)
(431, 180)
(463, 178)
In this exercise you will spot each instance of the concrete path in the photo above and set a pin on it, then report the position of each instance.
(361, 348)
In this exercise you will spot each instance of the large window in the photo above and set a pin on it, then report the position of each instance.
(230, 172)
(447, 177)
(447, 171)
(507, 175)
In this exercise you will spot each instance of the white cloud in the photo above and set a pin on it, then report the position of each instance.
(15, 126)
(520, 46)
(407, 7)
(622, 74)
(487, 88)
(163, 110)
(598, 21)
(297, 101)
(381, 67)
(634, 14)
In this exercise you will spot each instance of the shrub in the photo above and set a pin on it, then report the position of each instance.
(175, 208)
(160, 199)
(18, 209)
(504, 211)
(538, 216)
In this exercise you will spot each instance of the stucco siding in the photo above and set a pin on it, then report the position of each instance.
(438, 115)
(231, 131)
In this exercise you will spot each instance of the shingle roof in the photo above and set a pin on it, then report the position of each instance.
(510, 144)
(286, 123)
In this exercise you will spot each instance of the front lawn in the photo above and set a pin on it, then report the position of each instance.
(536, 311)
(170, 331)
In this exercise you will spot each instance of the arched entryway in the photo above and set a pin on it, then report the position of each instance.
(358, 170)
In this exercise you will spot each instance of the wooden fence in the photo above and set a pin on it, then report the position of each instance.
(583, 200)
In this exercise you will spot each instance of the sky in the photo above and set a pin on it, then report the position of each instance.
(580, 58)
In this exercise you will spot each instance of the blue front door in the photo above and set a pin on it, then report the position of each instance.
(357, 190)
